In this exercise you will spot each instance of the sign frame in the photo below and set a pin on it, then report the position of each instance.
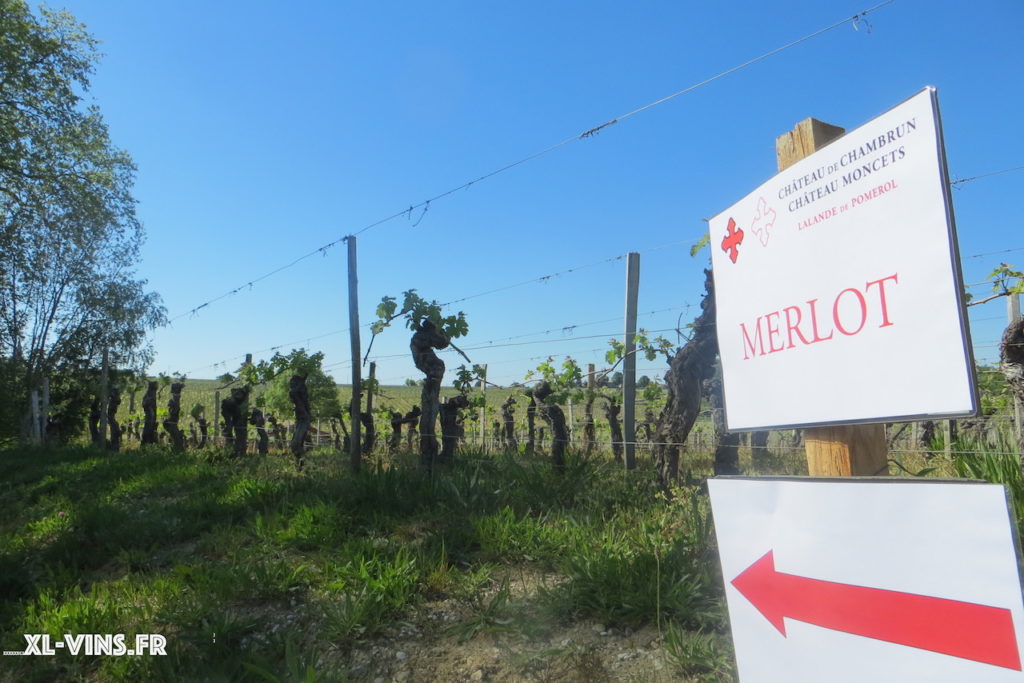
(952, 271)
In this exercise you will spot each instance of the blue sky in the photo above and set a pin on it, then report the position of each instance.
(265, 130)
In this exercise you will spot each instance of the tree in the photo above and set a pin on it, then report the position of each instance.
(68, 231)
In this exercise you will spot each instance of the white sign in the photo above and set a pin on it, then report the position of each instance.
(837, 285)
(869, 580)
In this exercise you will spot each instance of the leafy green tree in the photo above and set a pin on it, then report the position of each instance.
(68, 231)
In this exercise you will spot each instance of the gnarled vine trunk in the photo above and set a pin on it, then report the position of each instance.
(232, 409)
(691, 365)
(113, 403)
(611, 412)
(531, 420)
(366, 419)
(727, 446)
(424, 341)
(554, 416)
(1011, 362)
(257, 420)
(396, 431)
(589, 431)
(336, 433)
(277, 431)
(173, 416)
(508, 435)
(450, 427)
(299, 395)
(149, 410)
(412, 418)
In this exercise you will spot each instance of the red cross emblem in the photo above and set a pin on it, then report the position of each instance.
(732, 241)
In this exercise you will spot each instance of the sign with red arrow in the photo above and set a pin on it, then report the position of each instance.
(961, 629)
(928, 591)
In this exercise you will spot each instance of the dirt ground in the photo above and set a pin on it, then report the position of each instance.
(450, 640)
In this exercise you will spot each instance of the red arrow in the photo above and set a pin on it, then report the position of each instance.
(961, 629)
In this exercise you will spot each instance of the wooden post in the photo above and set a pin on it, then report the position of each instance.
(629, 360)
(104, 396)
(353, 323)
(483, 410)
(1013, 313)
(842, 450)
(591, 380)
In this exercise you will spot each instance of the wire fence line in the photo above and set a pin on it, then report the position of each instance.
(589, 133)
(701, 441)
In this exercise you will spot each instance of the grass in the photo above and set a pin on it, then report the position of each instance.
(254, 572)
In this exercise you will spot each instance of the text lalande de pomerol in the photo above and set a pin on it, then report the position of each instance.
(854, 308)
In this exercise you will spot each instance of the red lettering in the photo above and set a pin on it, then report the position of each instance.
(748, 343)
(844, 318)
(792, 326)
(814, 323)
(863, 311)
(881, 296)
(773, 331)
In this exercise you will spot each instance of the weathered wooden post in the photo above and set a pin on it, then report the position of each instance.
(838, 450)
(483, 409)
(355, 445)
(629, 360)
(589, 436)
